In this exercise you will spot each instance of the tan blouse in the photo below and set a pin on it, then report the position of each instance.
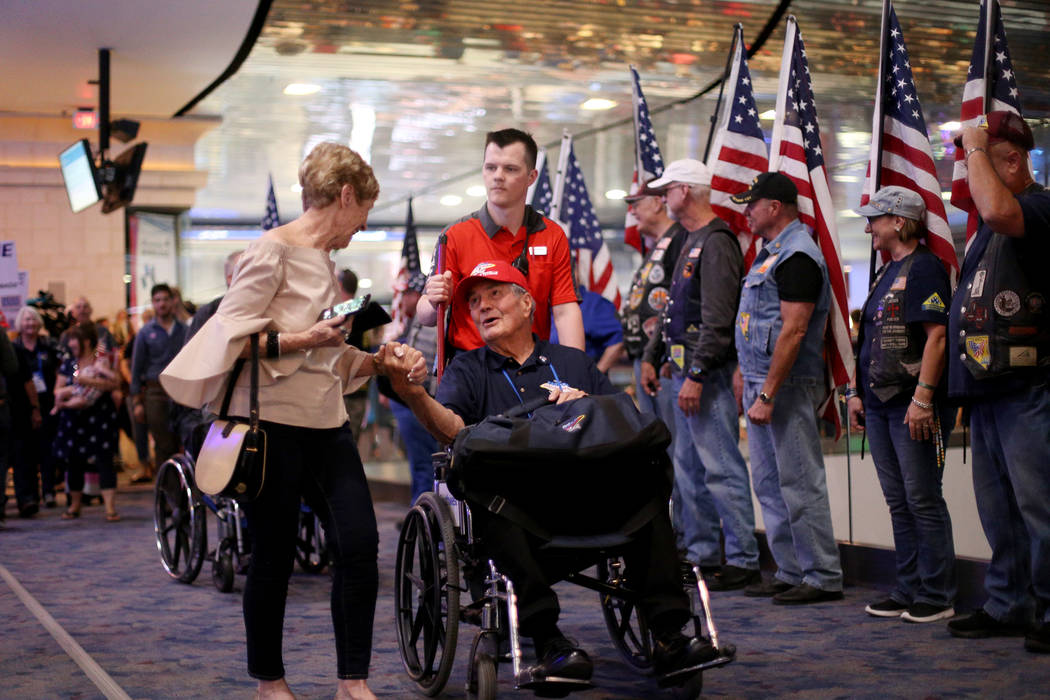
(276, 287)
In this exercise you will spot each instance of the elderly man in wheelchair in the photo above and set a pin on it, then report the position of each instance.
(513, 370)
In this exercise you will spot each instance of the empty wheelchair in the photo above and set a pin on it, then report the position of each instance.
(441, 562)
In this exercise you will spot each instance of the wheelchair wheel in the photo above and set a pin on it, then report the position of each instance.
(627, 628)
(426, 593)
(311, 549)
(485, 678)
(178, 520)
(222, 567)
(481, 676)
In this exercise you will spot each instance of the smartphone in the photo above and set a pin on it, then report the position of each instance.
(347, 308)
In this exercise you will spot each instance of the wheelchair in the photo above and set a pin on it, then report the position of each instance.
(180, 525)
(439, 560)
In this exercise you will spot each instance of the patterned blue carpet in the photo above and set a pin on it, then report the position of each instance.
(156, 638)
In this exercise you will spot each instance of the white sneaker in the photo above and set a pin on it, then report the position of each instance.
(926, 612)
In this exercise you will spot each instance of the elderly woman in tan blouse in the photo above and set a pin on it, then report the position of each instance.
(283, 282)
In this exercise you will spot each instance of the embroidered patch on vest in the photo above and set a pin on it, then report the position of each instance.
(744, 321)
(658, 298)
(978, 350)
(767, 263)
(899, 283)
(1007, 303)
(1023, 357)
(678, 355)
(933, 303)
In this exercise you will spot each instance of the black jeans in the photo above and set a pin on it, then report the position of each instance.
(323, 466)
(651, 564)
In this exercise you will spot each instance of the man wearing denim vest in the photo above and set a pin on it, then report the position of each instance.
(998, 369)
(779, 339)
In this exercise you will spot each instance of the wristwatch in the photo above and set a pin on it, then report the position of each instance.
(765, 398)
(695, 373)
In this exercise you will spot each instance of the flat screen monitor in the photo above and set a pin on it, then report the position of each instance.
(120, 190)
(80, 176)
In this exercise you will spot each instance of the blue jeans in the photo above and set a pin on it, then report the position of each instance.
(419, 446)
(911, 483)
(713, 436)
(787, 472)
(1011, 479)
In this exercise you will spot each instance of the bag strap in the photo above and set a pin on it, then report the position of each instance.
(253, 405)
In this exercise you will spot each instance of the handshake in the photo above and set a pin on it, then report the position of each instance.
(403, 365)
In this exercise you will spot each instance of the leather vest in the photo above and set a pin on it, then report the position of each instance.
(647, 299)
(896, 349)
(1004, 325)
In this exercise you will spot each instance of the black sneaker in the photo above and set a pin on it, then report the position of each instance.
(731, 578)
(981, 625)
(562, 658)
(1038, 640)
(887, 607)
(28, 510)
(803, 594)
(679, 652)
(764, 589)
(927, 612)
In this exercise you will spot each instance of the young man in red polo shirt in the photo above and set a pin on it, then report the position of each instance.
(505, 228)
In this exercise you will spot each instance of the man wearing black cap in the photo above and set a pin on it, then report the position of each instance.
(998, 366)
(515, 367)
(697, 339)
(784, 307)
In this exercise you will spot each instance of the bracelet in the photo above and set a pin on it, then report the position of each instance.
(922, 404)
(850, 393)
(273, 345)
(970, 151)
(375, 363)
(924, 385)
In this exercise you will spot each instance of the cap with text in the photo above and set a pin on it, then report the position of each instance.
(776, 186)
(494, 271)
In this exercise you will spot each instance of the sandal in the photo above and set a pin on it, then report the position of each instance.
(113, 517)
(71, 515)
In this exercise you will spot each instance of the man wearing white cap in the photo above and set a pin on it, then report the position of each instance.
(697, 339)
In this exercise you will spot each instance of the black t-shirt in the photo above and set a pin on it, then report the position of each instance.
(799, 279)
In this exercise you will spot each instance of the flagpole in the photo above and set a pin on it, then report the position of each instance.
(541, 158)
(991, 8)
(559, 177)
(738, 35)
(877, 127)
(638, 168)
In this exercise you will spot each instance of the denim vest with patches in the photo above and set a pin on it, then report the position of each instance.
(758, 322)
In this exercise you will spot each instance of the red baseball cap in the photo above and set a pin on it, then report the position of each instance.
(1008, 126)
(494, 271)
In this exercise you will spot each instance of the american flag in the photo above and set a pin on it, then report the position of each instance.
(540, 194)
(906, 156)
(270, 218)
(991, 77)
(738, 152)
(647, 161)
(593, 260)
(797, 153)
(409, 274)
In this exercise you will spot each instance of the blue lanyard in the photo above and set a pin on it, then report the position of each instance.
(515, 389)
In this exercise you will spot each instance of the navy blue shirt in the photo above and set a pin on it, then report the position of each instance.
(154, 349)
(601, 325)
(926, 296)
(1032, 251)
(482, 383)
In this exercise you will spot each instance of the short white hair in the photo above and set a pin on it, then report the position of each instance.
(27, 312)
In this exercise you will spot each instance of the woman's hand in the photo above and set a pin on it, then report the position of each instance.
(855, 409)
(323, 334)
(920, 422)
(403, 365)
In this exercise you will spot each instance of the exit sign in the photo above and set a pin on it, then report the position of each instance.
(85, 119)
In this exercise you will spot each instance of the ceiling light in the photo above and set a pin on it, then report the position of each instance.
(476, 191)
(365, 283)
(768, 115)
(297, 188)
(596, 104)
(301, 89)
(951, 126)
(615, 194)
(451, 200)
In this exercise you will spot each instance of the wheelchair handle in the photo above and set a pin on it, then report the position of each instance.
(527, 407)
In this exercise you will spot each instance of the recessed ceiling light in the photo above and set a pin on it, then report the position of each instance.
(596, 104)
(476, 191)
(615, 194)
(301, 89)
(768, 114)
(451, 200)
(951, 126)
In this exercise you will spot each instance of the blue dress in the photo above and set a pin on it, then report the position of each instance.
(86, 435)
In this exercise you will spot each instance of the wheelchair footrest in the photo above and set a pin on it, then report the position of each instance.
(726, 654)
(550, 686)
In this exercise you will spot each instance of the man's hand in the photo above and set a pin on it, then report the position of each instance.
(565, 395)
(138, 411)
(855, 409)
(760, 413)
(665, 370)
(920, 421)
(648, 380)
(439, 288)
(738, 390)
(972, 137)
(689, 397)
(404, 366)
